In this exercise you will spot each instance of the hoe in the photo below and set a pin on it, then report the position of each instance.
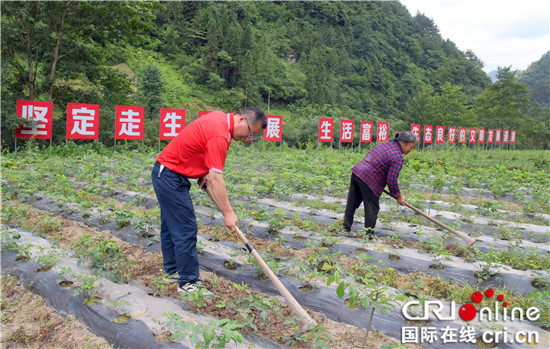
(469, 240)
(307, 321)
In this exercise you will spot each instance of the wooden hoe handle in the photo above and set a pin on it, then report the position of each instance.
(459, 234)
(307, 321)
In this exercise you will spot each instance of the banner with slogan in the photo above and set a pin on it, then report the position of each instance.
(366, 132)
(473, 133)
(346, 131)
(490, 136)
(462, 135)
(274, 130)
(428, 133)
(415, 128)
(82, 121)
(481, 135)
(382, 132)
(326, 128)
(440, 134)
(128, 122)
(172, 122)
(37, 119)
(452, 134)
(203, 112)
(506, 136)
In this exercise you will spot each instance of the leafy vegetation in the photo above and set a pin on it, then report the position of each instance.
(497, 191)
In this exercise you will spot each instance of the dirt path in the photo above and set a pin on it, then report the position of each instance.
(27, 322)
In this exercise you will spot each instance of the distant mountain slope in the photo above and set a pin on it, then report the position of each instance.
(493, 75)
(537, 79)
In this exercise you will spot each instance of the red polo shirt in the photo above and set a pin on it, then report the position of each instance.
(200, 147)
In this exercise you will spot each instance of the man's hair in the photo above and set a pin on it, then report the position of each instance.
(254, 115)
(406, 137)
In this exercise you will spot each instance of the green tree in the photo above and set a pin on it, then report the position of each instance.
(475, 59)
(151, 87)
(38, 35)
(450, 106)
(504, 103)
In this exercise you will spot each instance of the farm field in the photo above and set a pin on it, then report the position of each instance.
(80, 228)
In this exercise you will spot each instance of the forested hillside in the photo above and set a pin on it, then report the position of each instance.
(303, 60)
(537, 79)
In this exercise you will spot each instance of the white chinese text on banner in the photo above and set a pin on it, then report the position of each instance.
(415, 128)
(366, 131)
(382, 133)
(440, 134)
(274, 130)
(506, 136)
(82, 121)
(452, 134)
(128, 122)
(326, 128)
(36, 119)
(462, 135)
(346, 131)
(172, 122)
(428, 133)
(481, 135)
(473, 133)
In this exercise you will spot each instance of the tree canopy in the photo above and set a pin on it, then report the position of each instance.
(354, 60)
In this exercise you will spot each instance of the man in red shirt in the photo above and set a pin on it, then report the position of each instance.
(198, 152)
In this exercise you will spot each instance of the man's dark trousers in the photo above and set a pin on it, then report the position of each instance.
(359, 192)
(178, 233)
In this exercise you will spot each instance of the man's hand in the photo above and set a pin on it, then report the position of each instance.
(203, 182)
(401, 200)
(230, 221)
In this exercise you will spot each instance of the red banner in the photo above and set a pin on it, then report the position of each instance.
(440, 134)
(490, 136)
(452, 134)
(473, 133)
(326, 128)
(481, 135)
(497, 135)
(128, 122)
(172, 122)
(37, 119)
(428, 133)
(415, 128)
(346, 131)
(203, 112)
(382, 132)
(274, 130)
(462, 135)
(506, 136)
(513, 136)
(82, 121)
(366, 131)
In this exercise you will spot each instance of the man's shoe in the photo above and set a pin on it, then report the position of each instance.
(188, 288)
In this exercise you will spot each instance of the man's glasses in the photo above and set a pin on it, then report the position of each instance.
(250, 134)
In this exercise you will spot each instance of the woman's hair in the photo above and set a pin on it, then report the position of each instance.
(406, 137)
